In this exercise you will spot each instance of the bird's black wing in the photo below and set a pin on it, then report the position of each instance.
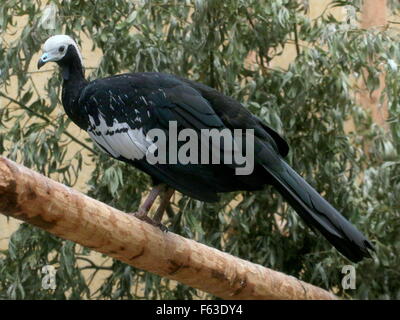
(235, 116)
(121, 110)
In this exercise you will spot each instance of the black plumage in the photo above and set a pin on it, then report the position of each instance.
(118, 111)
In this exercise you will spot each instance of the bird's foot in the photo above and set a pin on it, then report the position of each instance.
(162, 227)
(142, 215)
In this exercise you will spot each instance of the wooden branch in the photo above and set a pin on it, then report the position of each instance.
(62, 211)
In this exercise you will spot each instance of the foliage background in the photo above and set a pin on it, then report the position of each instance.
(210, 41)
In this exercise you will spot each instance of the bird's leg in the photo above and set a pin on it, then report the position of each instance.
(165, 198)
(142, 213)
(146, 206)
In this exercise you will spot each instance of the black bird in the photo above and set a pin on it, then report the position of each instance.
(119, 111)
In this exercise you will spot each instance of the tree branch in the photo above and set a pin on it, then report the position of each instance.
(296, 39)
(62, 211)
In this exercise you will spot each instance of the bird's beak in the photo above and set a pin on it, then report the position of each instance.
(42, 61)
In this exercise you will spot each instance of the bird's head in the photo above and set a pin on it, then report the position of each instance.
(59, 48)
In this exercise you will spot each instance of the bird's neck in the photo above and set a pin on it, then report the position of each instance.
(74, 82)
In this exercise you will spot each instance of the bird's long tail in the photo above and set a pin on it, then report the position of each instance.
(318, 213)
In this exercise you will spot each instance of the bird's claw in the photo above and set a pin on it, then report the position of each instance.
(143, 216)
(162, 227)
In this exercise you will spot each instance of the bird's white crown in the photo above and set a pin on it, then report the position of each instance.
(55, 42)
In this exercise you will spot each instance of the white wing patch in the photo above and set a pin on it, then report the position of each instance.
(119, 140)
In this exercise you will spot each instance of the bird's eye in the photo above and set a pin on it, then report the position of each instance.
(61, 49)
